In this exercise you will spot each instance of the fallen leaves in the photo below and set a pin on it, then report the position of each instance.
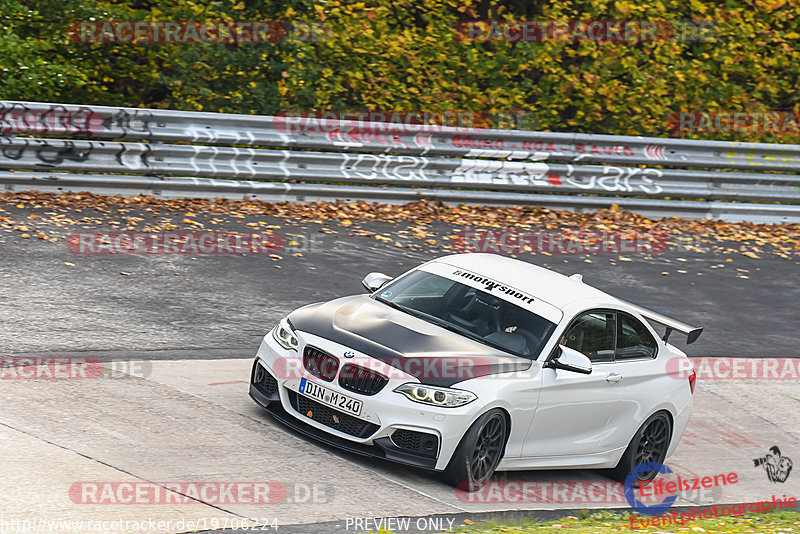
(752, 240)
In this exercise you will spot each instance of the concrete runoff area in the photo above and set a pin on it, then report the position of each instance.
(192, 421)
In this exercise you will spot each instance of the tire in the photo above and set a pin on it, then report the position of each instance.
(480, 451)
(649, 445)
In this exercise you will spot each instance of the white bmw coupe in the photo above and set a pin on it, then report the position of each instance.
(473, 363)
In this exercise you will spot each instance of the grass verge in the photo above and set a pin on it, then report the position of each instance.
(780, 521)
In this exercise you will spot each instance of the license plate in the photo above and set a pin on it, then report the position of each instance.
(331, 398)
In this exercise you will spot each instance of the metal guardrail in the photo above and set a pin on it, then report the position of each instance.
(172, 153)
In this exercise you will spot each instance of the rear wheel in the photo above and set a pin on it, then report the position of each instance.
(479, 453)
(649, 445)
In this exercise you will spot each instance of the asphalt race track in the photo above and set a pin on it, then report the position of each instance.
(178, 334)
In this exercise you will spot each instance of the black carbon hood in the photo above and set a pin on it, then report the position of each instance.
(428, 352)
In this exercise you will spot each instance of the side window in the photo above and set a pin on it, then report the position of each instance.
(593, 334)
(633, 339)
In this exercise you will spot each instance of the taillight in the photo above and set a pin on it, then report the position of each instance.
(692, 380)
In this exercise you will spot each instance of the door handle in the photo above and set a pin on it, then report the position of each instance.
(614, 377)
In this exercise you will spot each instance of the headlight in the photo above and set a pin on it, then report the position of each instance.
(436, 396)
(284, 336)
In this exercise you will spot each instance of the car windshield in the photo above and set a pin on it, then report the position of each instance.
(470, 312)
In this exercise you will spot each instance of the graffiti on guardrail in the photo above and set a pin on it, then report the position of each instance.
(392, 167)
(480, 171)
(60, 119)
(55, 120)
(315, 149)
(606, 178)
(10, 150)
(47, 152)
(623, 179)
(232, 136)
(577, 149)
(360, 167)
(131, 121)
(360, 133)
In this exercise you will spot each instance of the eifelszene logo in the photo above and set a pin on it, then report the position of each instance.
(672, 486)
(777, 467)
(631, 481)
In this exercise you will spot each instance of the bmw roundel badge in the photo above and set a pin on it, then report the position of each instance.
(349, 354)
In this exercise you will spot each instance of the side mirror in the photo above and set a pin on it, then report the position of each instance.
(571, 360)
(375, 281)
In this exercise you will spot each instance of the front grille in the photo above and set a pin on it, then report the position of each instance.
(419, 442)
(361, 380)
(320, 364)
(265, 381)
(331, 417)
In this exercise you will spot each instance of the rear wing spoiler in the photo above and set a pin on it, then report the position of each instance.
(691, 332)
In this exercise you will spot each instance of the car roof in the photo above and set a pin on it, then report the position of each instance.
(551, 287)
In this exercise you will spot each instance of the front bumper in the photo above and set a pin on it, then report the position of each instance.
(381, 448)
(429, 434)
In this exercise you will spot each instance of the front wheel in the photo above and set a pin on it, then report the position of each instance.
(649, 445)
(479, 453)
